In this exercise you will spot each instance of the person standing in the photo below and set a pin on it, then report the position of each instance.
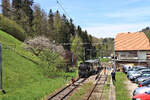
(113, 75)
(104, 70)
(73, 81)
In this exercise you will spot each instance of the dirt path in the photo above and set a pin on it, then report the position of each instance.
(130, 86)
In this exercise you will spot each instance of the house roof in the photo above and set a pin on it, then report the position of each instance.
(131, 41)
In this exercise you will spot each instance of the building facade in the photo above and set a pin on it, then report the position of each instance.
(132, 48)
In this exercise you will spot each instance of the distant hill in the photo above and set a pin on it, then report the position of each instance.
(147, 32)
(105, 46)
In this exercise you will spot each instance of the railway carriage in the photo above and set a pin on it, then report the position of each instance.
(89, 67)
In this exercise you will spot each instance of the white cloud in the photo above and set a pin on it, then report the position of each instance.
(110, 30)
(132, 1)
(130, 13)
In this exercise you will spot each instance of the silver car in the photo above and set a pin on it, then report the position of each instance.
(126, 68)
(141, 90)
(142, 78)
(134, 75)
(135, 69)
(138, 73)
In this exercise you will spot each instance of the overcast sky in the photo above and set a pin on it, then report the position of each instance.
(104, 18)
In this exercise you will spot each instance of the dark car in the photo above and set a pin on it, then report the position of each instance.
(142, 78)
(145, 83)
(134, 69)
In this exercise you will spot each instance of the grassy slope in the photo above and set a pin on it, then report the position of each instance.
(23, 79)
(120, 88)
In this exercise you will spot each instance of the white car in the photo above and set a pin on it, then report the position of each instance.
(141, 90)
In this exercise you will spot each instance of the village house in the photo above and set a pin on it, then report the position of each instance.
(132, 48)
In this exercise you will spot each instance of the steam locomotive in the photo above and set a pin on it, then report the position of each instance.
(89, 67)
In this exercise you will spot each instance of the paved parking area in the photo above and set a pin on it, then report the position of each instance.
(130, 86)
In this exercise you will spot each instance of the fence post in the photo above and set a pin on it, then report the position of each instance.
(1, 83)
(1, 67)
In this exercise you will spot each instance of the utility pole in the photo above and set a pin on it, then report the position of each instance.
(54, 50)
(84, 53)
(114, 56)
(90, 53)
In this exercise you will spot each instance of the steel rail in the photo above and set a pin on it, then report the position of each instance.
(97, 83)
(65, 88)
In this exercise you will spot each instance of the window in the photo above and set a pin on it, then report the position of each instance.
(132, 54)
(123, 55)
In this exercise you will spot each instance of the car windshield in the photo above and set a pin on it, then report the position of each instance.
(146, 74)
(137, 72)
(148, 92)
(146, 82)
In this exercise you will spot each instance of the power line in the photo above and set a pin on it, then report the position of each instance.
(61, 6)
(81, 43)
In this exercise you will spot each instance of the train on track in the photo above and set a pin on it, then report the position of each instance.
(89, 67)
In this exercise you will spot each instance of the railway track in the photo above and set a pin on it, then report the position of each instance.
(66, 91)
(97, 91)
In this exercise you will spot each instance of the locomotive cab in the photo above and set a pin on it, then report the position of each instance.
(84, 70)
(89, 67)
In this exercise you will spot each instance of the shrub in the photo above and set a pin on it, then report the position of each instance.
(12, 28)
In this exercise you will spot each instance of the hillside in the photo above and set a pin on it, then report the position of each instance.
(147, 32)
(23, 77)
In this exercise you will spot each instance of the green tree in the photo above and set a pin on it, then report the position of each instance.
(147, 32)
(57, 27)
(44, 24)
(50, 23)
(71, 27)
(16, 4)
(40, 21)
(77, 47)
(65, 32)
(27, 8)
(24, 21)
(23, 14)
(6, 8)
(79, 31)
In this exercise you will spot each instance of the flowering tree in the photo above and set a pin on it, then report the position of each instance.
(40, 43)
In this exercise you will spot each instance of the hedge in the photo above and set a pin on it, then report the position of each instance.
(12, 28)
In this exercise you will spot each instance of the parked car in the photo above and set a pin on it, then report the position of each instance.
(141, 90)
(137, 74)
(145, 83)
(126, 68)
(143, 96)
(135, 69)
(142, 78)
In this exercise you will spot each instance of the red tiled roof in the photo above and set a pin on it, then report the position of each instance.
(131, 41)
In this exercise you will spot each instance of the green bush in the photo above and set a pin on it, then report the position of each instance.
(12, 28)
(52, 63)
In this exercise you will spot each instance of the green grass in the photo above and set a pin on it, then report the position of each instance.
(23, 79)
(107, 88)
(80, 93)
(120, 87)
(104, 59)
